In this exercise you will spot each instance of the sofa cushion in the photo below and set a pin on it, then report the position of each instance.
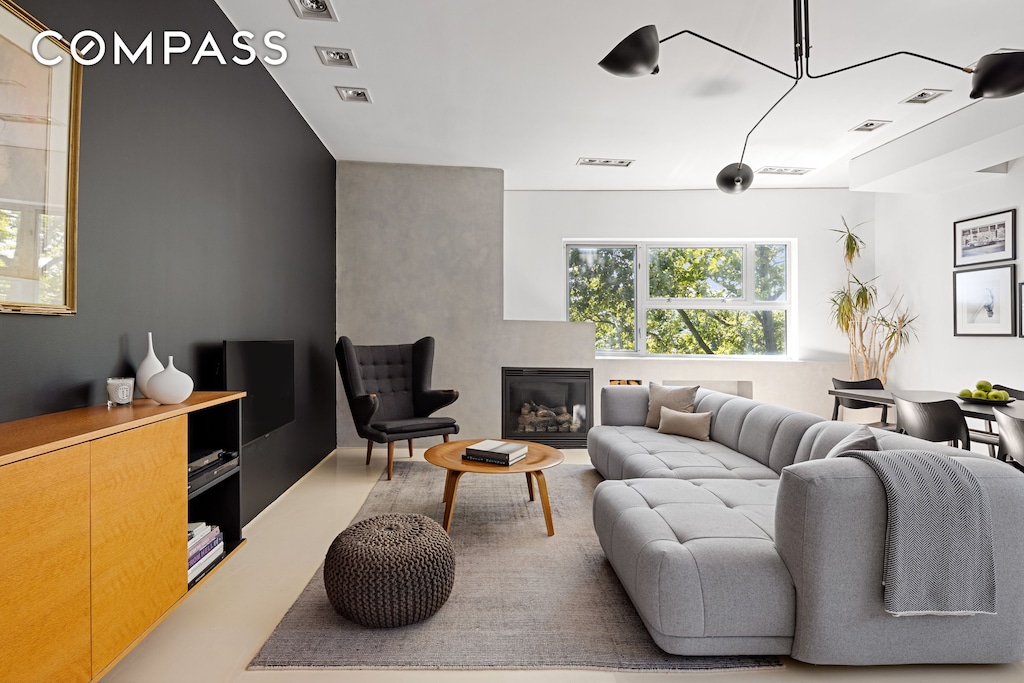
(676, 398)
(624, 405)
(698, 560)
(860, 439)
(822, 437)
(694, 425)
(628, 452)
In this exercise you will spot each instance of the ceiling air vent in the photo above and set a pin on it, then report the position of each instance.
(336, 56)
(313, 9)
(593, 161)
(784, 170)
(924, 96)
(353, 94)
(869, 126)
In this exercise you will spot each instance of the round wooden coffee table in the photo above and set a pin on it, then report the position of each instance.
(538, 458)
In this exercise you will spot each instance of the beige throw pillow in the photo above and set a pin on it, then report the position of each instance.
(676, 398)
(693, 425)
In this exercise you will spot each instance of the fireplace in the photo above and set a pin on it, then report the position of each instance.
(552, 406)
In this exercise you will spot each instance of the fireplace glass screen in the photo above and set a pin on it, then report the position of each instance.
(552, 406)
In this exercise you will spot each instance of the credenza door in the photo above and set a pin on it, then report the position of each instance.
(44, 581)
(139, 532)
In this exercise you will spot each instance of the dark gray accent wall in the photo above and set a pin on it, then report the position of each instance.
(207, 212)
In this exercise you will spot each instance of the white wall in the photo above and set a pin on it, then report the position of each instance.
(915, 252)
(536, 223)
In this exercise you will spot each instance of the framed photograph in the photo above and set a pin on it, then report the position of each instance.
(985, 239)
(983, 302)
(39, 121)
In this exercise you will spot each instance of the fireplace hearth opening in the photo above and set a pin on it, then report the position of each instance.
(552, 406)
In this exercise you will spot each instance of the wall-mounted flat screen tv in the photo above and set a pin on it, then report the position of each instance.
(265, 370)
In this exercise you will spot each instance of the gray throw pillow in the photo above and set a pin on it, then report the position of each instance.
(860, 440)
(693, 425)
(676, 398)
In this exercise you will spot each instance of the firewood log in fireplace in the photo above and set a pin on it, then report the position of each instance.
(540, 418)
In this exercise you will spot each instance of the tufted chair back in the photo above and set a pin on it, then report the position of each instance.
(389, 394)
(395, 373)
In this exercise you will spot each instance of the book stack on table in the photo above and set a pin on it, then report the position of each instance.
(205, 547)
(206, 466)
(496, 452)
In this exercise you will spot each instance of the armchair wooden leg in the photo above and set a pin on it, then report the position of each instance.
(369, 450)
(391, 458)
(446, 438)
(410, 448)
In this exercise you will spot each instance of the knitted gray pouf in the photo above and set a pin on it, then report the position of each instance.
(391, 570)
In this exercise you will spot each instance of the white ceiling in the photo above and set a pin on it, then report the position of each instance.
(516, 86)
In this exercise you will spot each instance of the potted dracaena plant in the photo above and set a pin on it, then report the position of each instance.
(876, 331)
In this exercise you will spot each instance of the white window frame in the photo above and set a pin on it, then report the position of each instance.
(644, 301)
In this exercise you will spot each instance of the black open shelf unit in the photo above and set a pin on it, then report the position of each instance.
(217, 502)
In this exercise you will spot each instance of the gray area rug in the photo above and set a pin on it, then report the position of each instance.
(521, 600)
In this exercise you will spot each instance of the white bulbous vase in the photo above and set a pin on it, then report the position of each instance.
(171, 385)
(149, 366)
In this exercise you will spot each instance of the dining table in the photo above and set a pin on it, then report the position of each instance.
(980, 411)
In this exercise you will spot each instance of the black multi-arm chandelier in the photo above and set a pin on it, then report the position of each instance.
(999, 74)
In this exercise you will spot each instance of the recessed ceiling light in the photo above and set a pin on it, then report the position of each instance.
(869, 126)
(336, 56)
(784, 170)
(593, 161)
(924, 96)
(313, 9)
(353, 94)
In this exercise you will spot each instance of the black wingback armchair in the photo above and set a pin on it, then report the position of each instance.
(388, 390)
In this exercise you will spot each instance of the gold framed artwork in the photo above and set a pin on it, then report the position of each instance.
(40, 106)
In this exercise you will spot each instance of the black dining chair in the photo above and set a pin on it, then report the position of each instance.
(389, 393)
(986, 435)
(1011, 437)
(1014, 393)
(933, 421)
(855, 404)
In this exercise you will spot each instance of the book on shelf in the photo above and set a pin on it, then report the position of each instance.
(200, 541)
(196, 529)
(196, 557)
(200, 567)
(200, 459)
(473, 457)
(501, 450)
(208, 474)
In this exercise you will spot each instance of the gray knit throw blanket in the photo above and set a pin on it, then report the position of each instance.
(938, 541)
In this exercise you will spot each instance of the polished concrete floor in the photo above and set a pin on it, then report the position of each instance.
(217, 630)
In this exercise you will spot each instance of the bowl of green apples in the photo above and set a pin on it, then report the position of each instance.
(984, 393)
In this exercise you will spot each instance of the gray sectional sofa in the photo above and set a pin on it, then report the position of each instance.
(753, 543)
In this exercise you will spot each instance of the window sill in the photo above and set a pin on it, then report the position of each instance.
(732, 359)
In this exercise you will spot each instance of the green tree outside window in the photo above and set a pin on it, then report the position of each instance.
(700, 299)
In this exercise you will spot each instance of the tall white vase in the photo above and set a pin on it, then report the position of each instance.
(171, 385)
(149, 366)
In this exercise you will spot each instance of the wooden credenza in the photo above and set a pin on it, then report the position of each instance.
(94, 509)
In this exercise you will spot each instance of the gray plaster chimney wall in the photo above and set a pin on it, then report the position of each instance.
(419, 252)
